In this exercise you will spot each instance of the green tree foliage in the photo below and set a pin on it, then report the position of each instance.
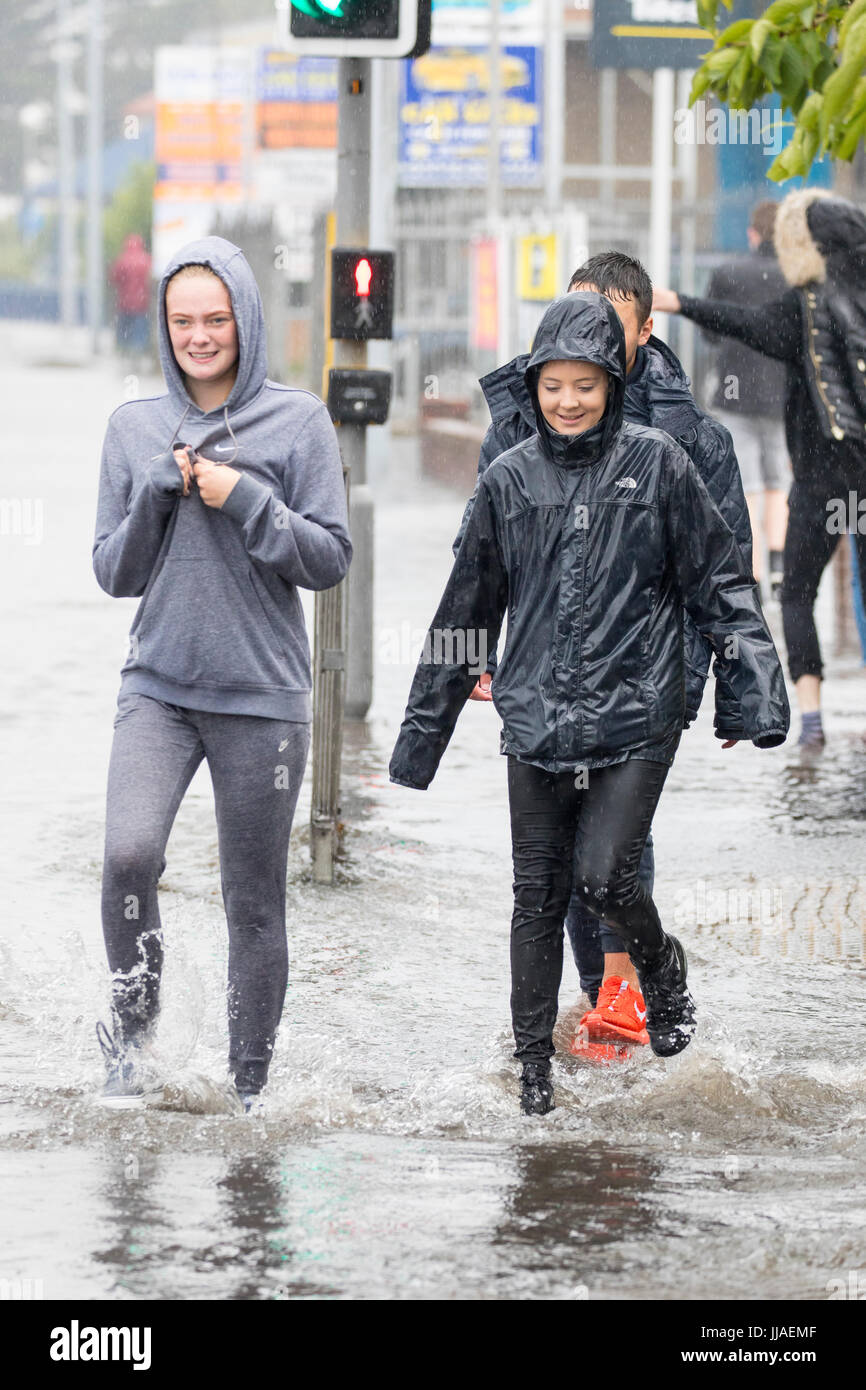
(813, 54)
(130, 210)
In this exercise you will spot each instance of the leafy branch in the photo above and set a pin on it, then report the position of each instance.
(812, 54)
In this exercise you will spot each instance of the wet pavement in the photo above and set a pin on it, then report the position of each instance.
(391, 1160)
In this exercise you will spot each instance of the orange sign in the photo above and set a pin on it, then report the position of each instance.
(485, 296)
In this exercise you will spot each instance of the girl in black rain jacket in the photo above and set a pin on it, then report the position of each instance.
(592, 542)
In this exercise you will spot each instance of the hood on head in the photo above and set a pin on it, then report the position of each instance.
(582, 327)
(801, 257)
(231, 265)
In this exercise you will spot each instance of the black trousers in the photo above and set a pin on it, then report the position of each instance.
(597, 833)
(809, 546)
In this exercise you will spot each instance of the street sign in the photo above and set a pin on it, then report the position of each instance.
(445, 118)
(362, 293)
(648, 34)
(538, 277)
(357, 396)
(360, 28)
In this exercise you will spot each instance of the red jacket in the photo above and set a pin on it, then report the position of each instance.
(130, 276)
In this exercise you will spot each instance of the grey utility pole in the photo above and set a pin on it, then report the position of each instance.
(95, 138)
(64, 53)
(343, 671)
(353, 229)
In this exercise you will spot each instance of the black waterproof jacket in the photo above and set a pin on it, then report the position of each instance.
(660, 398)
(592, 544)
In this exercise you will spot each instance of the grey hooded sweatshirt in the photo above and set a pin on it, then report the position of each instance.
(220, 625)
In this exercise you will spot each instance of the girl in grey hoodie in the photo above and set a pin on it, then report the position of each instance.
(217, 501)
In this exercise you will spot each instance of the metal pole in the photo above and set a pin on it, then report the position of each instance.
(95, 254)
(662, 181)
(343, 662)
(607, 140)
(65, 171)
(554, 108)
(494, 155)
(353, 229)
(687, 168)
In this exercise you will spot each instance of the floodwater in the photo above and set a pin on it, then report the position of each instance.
(391, 1160)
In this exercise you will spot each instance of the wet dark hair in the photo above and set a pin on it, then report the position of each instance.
(763, 218)
(618, 276)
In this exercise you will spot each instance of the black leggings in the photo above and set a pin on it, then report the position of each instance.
(600, 830)
(809, 547)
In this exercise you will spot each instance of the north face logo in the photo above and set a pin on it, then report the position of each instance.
(625, 482)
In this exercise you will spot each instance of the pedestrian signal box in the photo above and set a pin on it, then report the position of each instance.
(361, 28)
(357, 396)
(362, 293)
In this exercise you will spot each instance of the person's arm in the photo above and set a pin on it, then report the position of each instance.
(720, 594)
(466, 624)
(306, 538)
(772, 329)
(716, 289)
(130, 527)
(492, 445)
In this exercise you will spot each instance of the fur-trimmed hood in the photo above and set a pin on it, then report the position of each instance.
(819, 236)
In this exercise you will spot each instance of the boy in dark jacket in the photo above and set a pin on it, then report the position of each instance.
(656, 393)
(592, 535)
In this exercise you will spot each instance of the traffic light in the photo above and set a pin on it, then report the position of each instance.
(361, 28)
(362, 293)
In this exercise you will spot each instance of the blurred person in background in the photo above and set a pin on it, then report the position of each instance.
(818, 328)
(130, 276)
(749, 396)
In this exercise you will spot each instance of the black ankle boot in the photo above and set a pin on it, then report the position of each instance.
(536, 1089)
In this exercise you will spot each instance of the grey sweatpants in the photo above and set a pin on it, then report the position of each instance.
(256, 766)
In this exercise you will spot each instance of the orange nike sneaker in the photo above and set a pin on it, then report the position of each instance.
(619, 1014)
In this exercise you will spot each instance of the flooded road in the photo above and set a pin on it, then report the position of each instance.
(391, 1160)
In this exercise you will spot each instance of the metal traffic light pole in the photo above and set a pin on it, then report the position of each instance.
(344, 671)
(353, 229)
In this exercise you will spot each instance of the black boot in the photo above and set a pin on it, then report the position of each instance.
(536, 1089)
(670, 1009)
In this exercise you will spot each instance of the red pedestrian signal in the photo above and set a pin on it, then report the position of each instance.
(362, 293)
(363, 276)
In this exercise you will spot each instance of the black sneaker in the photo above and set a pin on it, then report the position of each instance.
(670, 1009)
(536, 1089)
(124, 1088)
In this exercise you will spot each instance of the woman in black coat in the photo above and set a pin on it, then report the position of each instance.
(818, 327)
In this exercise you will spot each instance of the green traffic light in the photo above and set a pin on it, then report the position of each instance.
(320, 9)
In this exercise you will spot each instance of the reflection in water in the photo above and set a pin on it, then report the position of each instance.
(827, 784)
(569, 1202)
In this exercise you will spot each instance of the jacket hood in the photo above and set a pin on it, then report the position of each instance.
(671, 405)
(580, 327)
(231, 265)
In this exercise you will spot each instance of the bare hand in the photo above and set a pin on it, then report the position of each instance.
(482, 690)
(181, 458)
(215, 480)
(666, 302)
